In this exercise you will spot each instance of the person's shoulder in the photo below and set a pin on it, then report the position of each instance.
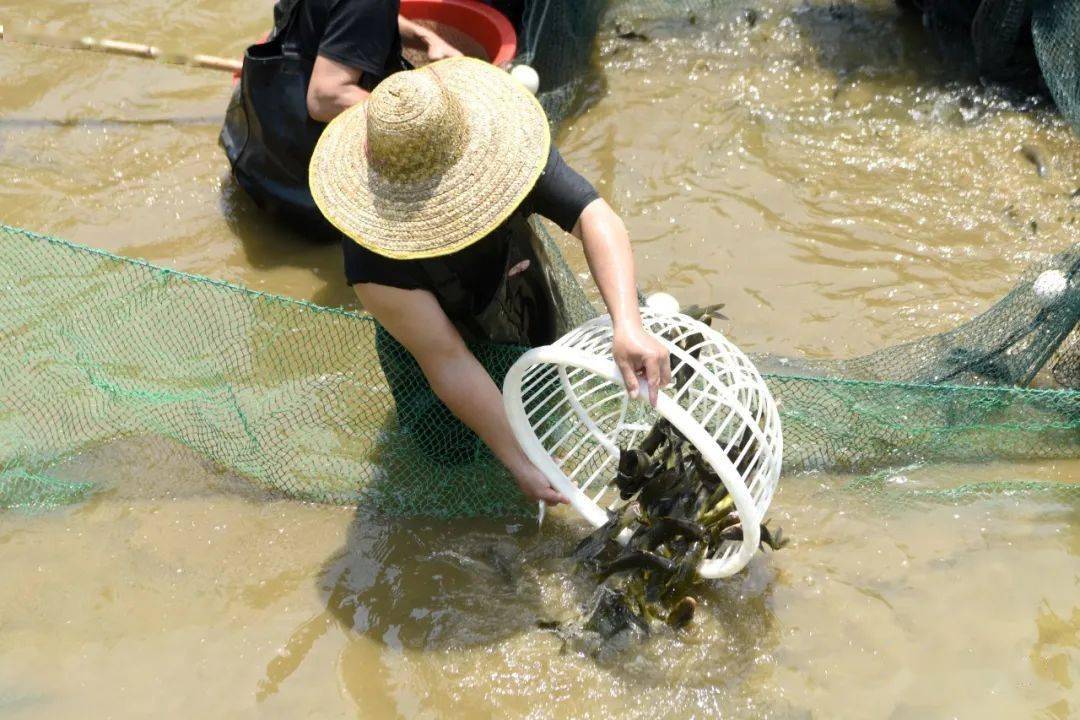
(557, 173)
(553, 171)
(554, 160)
(560, 193)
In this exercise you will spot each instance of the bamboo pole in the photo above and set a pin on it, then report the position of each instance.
(122, 47)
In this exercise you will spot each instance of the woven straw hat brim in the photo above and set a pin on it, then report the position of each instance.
(506, 150)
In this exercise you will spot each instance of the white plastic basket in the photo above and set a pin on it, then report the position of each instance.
(570, 412)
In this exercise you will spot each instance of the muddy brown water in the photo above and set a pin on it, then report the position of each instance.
(819, 171)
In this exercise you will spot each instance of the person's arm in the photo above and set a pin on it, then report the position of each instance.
(333, 89)
(639, 356)
(565, 197)
(416, 320)
(359, 37)
(421, 38)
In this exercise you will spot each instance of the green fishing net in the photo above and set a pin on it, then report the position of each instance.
(293, 398)
(900, 489)
(1006, 345)
(284, 393)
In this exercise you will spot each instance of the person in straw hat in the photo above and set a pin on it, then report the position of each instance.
(430, 180)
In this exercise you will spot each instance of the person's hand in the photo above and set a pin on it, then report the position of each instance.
(439, 49)
(641, 358)
(535, 486)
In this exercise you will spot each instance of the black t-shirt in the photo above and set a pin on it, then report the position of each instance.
(361, 34)
(560, 195)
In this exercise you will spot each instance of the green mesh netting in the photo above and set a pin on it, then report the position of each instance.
(287, 394)
(893, 491)
(292, 396)
(851, 425)
(22, 489)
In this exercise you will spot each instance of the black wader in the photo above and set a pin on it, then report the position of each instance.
(268, 134)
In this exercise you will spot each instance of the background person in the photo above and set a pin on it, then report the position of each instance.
(430, 177)
(323, 56)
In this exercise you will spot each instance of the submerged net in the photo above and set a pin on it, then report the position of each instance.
(1030, 44)
(1066, 370)
(556, 38)
(895, 491)
(291, 396)
(856, 426)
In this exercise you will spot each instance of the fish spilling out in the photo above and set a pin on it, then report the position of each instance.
(676, 512)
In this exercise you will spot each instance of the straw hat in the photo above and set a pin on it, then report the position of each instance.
(435, 159)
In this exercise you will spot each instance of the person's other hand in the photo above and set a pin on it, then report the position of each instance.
(535, 486)
(641, 358)
(439, 49)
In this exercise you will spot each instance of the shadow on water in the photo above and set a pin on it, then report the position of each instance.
(855, 41)
(429, 586)
(425, 584)
(270, 244)
(422, 585)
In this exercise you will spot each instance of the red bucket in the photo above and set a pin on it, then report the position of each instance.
(483, 23)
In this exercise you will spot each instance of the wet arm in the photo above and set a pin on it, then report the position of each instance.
(607, 249)
(333, 89)
(416, 320)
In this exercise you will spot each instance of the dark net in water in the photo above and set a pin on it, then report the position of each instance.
(1066, 370)
(1031, 44)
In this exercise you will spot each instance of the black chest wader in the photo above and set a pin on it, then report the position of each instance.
(268, 135)
(526, 310)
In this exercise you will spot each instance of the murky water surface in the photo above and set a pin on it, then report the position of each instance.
(810, 164)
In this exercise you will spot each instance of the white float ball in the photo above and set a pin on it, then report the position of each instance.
(1049, 287)
(527, 77)
(662, 302)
